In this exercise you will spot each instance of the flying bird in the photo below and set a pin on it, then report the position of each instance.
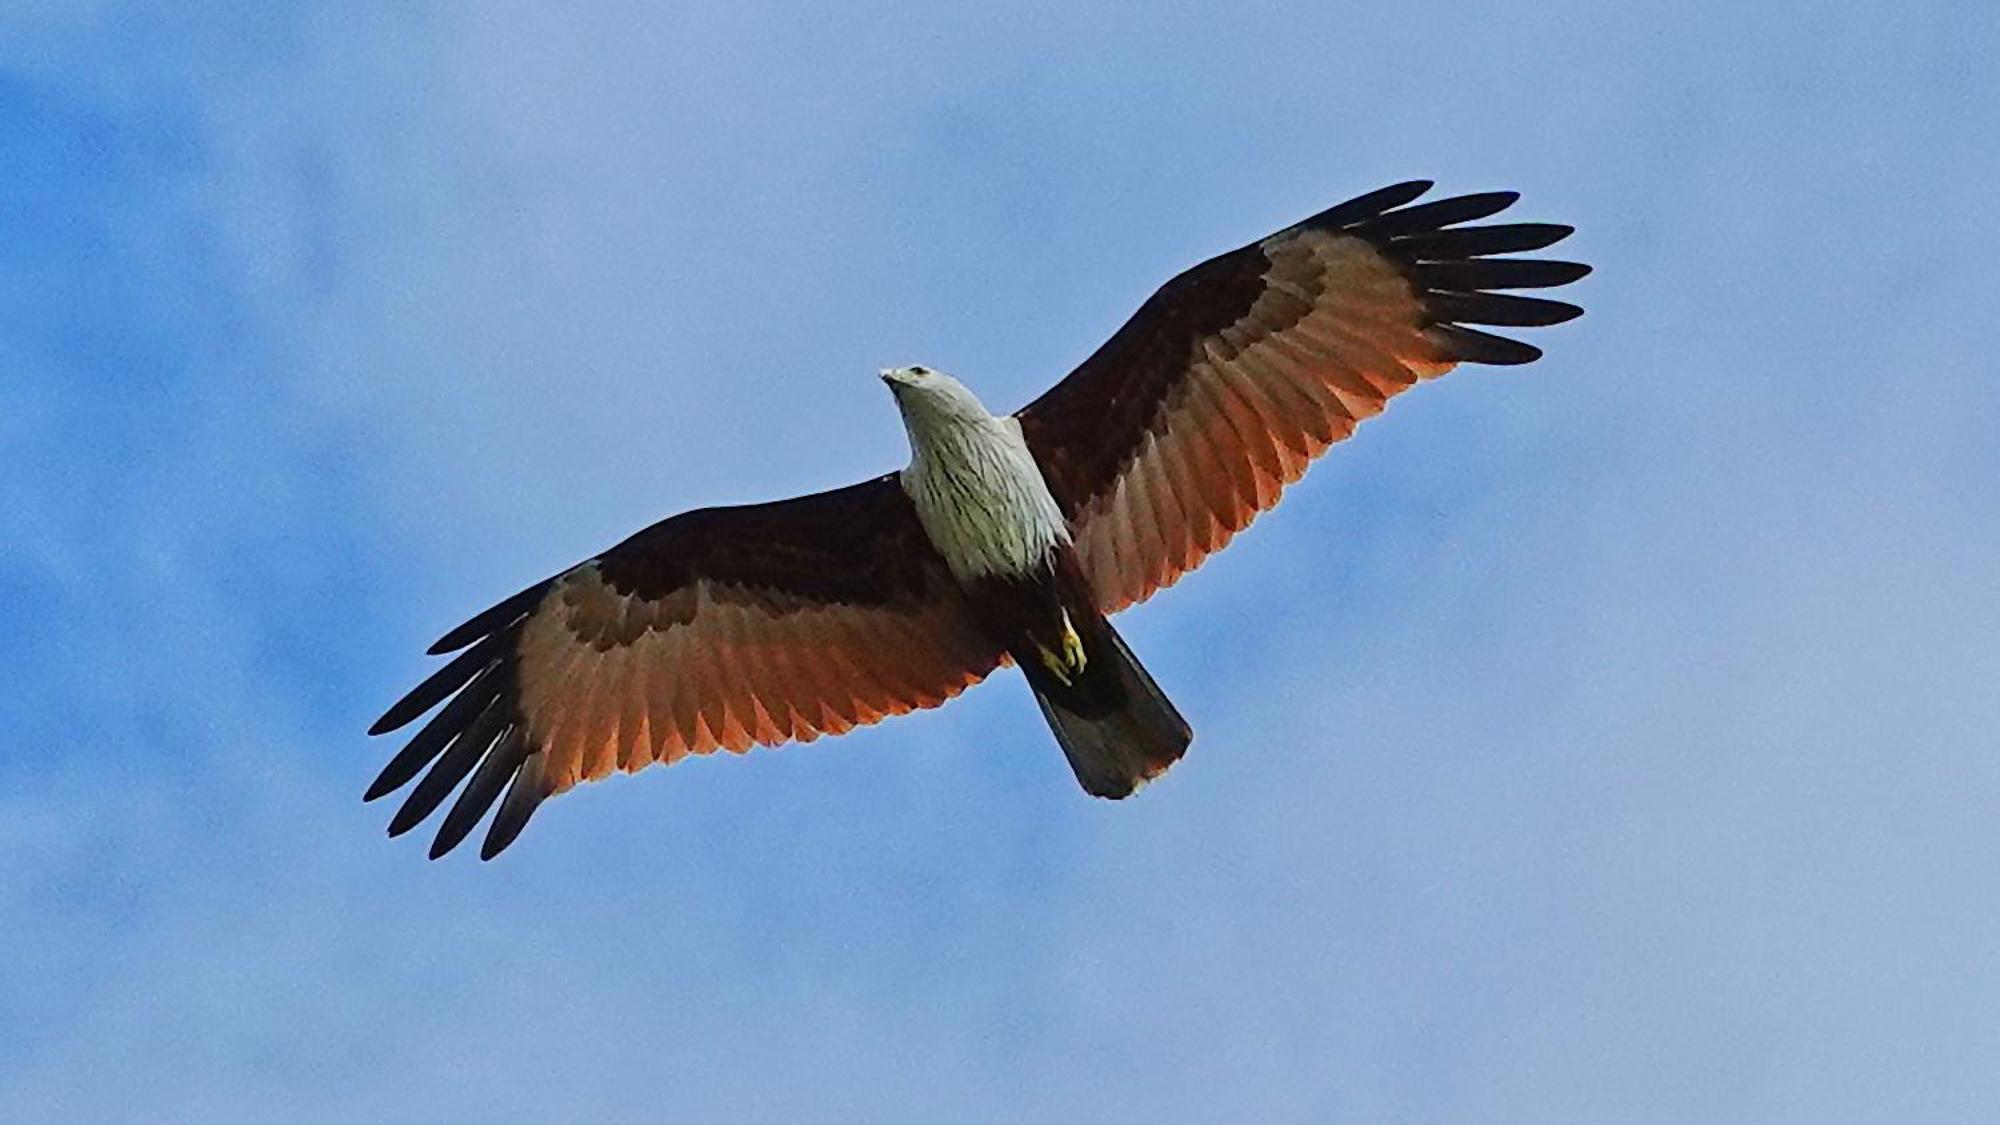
(1009, 538)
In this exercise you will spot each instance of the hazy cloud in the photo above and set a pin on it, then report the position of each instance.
(1611, 740)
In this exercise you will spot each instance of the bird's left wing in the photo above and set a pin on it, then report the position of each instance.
(719, 628)
(1234, 375)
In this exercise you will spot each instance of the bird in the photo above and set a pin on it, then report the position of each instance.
(1007, 539)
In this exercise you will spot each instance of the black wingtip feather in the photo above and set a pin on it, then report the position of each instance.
(1439, 213)
(1498, 273)
(493, 773)
(429, 742)
(1499, 308)
(495, 619)
(439, 684)
(1456, 277)
(1369, 206)
(479, 733)
(452, 766)
(524, 795)
(1476, 242)
(1470, 345)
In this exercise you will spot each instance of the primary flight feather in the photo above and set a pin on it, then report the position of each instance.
(1008, 538)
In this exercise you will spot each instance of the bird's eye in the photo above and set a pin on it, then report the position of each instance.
(920, 370)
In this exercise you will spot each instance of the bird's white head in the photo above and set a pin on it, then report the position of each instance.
(932, 400)
(977, 488)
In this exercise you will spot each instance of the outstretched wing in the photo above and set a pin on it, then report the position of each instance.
(719, 628)
(1171, 437)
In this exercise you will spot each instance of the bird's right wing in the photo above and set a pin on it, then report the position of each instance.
(1188, 422)
(719, 628)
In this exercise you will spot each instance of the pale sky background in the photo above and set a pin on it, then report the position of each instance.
(1616, 739)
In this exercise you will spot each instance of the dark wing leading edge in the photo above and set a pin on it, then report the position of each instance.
(719, 628)
(1171, 437)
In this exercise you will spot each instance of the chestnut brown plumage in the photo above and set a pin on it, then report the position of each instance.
(730, 627)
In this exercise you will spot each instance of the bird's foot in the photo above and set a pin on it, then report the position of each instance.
(1067, 664)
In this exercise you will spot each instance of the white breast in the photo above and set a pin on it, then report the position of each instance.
(982, 499)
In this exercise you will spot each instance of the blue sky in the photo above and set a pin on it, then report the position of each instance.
(1610, 740)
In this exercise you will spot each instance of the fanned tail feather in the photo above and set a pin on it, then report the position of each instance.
(1115, 725)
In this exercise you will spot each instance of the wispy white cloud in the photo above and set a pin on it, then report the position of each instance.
(1609, 740)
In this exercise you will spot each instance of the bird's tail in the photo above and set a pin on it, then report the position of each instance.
(1117, 728)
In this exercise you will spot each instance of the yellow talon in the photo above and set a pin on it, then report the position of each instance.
(1068, 664)
(1055, 665)
(1072, 647)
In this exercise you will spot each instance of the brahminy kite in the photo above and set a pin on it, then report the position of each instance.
(1007, 538)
